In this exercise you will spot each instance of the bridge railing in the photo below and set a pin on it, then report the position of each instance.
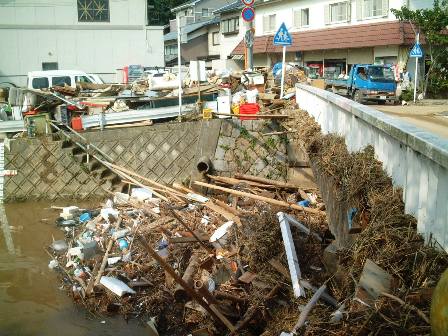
(416, 160)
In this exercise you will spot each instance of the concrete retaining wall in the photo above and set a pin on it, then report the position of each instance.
(416, 160)
(165, 152)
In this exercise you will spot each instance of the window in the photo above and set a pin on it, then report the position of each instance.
(61, 81)
(171, 50)
(82, 79)
(337, 12)
(206, 12)
(93, 11)
(230, 26)
(269, 23)
(40, 83)
(49, 66)
(302, 17)
(373, 8)
(215, 37)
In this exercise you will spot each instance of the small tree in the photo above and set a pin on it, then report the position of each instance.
(433, 24)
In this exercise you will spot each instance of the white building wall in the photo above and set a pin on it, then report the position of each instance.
(214, 49)
(33, 32)
(229, 42)
(285, 13)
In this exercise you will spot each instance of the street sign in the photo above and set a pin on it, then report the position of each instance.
(416, 51)
(283, 37)
(248, 14)
(248, 2)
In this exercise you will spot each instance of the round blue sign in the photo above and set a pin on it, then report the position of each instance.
(248, 2)
(248, 14)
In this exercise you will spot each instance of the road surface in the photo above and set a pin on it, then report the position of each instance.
(433, 118)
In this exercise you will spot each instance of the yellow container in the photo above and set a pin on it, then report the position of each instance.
(236, 109)
(207, 113)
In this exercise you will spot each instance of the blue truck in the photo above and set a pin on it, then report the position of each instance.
(366, 83)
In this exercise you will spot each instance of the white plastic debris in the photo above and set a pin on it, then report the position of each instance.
(219, 237)
(53, 264)
(116, 286)
(75, 252)
(120, 198)
(205, 220)
(120, 234)
(141, 194)
(72, 210)
(109, 203)
(106, 212)
(197, 198)
(113, 260)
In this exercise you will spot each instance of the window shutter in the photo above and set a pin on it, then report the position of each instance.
(327, 14)
(359, 5)
(349, 11)
(265, 24)
(297, 19)
(385, 4)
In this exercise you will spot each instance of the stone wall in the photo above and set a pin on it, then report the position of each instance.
(242, 148)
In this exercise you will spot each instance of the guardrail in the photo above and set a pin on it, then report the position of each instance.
(416, 160)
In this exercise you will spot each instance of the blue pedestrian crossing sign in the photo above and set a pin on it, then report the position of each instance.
(283, 37)
(416, 51)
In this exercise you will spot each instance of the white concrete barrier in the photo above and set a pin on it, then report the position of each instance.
(416, 160)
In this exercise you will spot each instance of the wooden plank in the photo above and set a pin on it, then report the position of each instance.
(211, 310)
(263, 199)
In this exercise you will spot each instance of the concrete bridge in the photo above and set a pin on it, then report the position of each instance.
(416, 160)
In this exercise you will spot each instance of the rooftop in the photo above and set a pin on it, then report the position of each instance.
(189, 29)
(229, 7)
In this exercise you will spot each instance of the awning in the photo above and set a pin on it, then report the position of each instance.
(353, 36)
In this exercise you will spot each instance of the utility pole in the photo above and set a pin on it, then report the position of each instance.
(250, 47)
(179, 64)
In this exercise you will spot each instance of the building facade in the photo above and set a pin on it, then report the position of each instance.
(200, 33)
(98, 37)
(331, 35)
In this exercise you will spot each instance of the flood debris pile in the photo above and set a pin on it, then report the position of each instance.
(385, 274)
(193, 264)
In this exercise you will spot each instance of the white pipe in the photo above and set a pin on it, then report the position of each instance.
(283, 72)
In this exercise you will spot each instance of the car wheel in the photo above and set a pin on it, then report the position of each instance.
(357, 97)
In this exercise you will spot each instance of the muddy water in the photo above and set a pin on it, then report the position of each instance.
(31, 302)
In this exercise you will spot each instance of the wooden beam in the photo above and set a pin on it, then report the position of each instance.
(263, 199)
(190, 291)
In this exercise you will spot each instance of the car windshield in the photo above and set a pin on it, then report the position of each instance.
(381, 74)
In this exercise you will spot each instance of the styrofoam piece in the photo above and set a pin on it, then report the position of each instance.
(116, 286)
(141, 194)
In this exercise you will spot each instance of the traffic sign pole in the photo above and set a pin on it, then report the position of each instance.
(283, 72)
(417, 41)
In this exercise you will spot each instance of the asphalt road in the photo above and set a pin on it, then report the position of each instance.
(433, 118)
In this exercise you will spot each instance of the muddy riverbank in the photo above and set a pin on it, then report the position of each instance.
(30, 301)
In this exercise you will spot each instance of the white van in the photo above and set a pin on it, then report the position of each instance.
(46, 79)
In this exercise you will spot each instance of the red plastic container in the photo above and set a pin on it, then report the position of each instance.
(249, 108)
(77, 123)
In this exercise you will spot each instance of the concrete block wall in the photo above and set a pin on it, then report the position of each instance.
(242, 148)
(45, 171)
(165, 152)
(162, 152)
(416, 160)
